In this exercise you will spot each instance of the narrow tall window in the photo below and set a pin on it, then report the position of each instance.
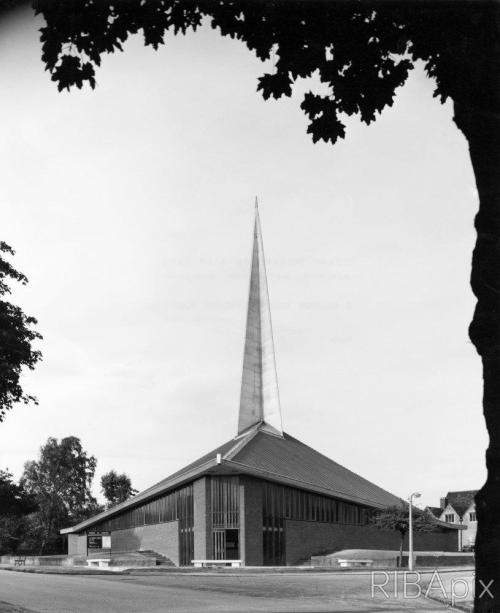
(225, 518)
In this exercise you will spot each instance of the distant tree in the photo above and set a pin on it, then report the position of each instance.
(396, 518)
(60, 481)
(16, 339)
(116, 488)
(15, 506)
(360, 52)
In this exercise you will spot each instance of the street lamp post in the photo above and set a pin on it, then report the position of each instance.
(410, 529)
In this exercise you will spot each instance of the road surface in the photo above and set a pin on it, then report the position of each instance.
(172, 593)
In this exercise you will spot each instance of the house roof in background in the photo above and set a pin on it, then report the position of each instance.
(436, 511)
(460, 501)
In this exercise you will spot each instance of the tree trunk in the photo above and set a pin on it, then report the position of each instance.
(482, 129)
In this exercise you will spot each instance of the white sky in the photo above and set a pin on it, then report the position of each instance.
(131, 211)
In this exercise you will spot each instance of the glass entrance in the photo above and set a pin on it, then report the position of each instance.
(232, 544)
(219, 544)
(226, 544)
(225, 518)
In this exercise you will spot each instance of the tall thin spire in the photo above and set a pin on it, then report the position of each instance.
(259, 400)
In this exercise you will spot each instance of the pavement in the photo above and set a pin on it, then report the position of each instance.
(455, 589)
(5, 607)
(299, 592)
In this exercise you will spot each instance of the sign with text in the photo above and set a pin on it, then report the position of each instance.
(98, 540)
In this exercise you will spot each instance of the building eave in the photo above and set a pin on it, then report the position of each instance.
(444, 524)
(145, 495)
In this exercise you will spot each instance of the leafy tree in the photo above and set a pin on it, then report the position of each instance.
(16, 339)
(361, 51)
(15, 505)
(60, 482)
(116, 488)
(396, 518)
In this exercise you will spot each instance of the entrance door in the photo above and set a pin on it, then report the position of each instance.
(232, 544)
(226, 544)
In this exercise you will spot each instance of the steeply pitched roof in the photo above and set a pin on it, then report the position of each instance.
(436, 511)
(460, 501)
(260, 453)
(287, 460)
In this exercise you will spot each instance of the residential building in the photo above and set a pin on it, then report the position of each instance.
(460, 508)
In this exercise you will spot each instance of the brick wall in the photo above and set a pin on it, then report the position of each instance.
(251, 521)
(202, 519)
(77, 544)
(162, 538)
(304, 539)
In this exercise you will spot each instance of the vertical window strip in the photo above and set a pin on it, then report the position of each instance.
(290, 503)
(225, 502)
(170, 507)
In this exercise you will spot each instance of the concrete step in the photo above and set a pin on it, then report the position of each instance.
(161, 560)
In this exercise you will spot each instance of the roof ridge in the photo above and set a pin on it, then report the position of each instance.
(240, 443)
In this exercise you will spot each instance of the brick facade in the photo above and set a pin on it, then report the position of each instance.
(304, 538)
(202, 519)
(162, 538)
(77, 544)
(250, 522)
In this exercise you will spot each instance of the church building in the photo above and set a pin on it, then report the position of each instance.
(263, 497)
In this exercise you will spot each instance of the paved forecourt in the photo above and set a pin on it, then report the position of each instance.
(172, 593)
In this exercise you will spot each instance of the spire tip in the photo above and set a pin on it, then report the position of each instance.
(259, 398)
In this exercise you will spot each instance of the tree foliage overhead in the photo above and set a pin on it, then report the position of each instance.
(116, 488)
(60, 481)
(361, 51)
(17, 335)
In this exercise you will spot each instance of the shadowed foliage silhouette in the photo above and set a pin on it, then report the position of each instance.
(15, 506)
(17, 335)
(360, 53)
(60, 482)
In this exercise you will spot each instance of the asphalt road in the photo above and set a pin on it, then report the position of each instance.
(172, 593)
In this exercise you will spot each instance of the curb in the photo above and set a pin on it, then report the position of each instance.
(249, 571)
(469, 608)
(60, 570)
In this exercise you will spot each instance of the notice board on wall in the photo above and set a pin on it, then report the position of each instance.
(98, 540)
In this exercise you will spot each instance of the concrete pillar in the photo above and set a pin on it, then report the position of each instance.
(202, 519)
(250, 522)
